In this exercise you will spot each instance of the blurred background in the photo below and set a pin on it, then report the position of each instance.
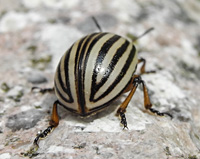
(34, 34)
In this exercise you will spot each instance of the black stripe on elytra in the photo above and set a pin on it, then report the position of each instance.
(69, 109)
(77, 59)
(88, 53)
(96, 109)
(108, 102)
(81, 92)
(60, 94)
(117, 55)
(94, 41)
(77, 52)
(66, 88)
(120, 76)
(66, 69)
(101, 55)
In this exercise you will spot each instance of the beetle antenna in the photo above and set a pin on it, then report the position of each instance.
(146, 32)
(96, 23)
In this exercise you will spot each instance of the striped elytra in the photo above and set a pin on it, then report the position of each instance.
(94, 71)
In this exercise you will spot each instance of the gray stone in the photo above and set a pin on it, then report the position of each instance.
(66, 36)
(15, 93)
(5, 156)
(64, 4)
(36, 77)
(104, 20)
(14, 21)
(24, 120)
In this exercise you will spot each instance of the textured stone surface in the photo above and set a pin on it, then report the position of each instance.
(36, 77)
(34, 34)
(24, 120)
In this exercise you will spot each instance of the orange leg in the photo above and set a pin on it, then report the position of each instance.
(122, 109)
(136, 80)
(142, 69)
(52, 125)
(54, 117)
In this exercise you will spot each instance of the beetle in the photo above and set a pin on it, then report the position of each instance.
(94, 72)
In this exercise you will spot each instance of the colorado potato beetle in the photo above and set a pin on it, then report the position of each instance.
(92, 73)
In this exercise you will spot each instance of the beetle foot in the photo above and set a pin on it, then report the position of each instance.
(42, 90)
(123, 120)
(148, 72)
(159, 113)
(42, 135)
(32, 152)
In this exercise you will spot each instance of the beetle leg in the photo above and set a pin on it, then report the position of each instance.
(42, 90)
(52, 125)
(142, 69)
(54, 117)
(147, 102)
(136, 80)
(122, 109)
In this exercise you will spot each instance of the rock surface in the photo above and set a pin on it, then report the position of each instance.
(33, 36)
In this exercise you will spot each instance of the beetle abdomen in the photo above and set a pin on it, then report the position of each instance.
(94, 71)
